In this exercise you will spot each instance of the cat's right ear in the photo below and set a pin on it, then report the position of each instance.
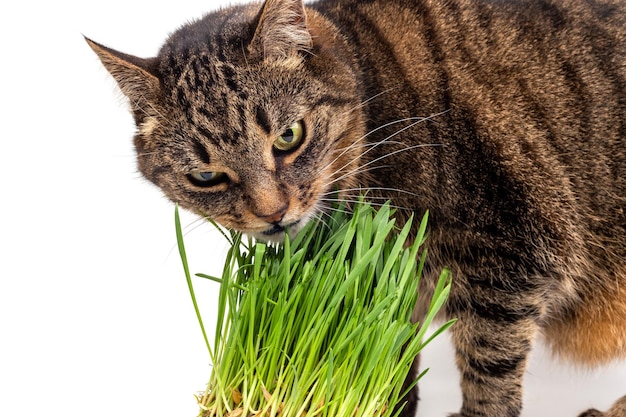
(136, 77)
(281, 32)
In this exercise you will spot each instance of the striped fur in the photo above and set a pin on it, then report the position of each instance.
(505, 118)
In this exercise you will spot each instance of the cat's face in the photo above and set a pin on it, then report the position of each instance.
(249, 117)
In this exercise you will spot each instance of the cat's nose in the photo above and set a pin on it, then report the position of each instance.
(275, 217)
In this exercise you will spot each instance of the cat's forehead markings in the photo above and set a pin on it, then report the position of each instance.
(201, 151)
(262, 119)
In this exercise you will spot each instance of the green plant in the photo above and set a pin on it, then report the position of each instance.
(320, 325)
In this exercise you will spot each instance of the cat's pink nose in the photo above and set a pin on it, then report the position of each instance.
(275, 217)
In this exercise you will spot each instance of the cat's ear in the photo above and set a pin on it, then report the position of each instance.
(281, 30)
(136, 77)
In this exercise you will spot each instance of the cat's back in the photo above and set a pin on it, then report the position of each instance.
(504, 18)
(489, 41)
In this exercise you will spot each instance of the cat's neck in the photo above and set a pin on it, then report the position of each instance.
(406, 148)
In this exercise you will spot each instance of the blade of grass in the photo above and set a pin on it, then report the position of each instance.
(183, 257)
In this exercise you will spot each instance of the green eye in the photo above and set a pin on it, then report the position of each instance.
(206, 178)
(290, 139)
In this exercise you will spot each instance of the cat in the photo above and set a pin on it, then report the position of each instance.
(505, 118)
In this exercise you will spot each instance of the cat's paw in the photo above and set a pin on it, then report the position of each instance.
(618, 410)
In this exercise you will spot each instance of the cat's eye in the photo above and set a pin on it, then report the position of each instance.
(206, 178)
(290, 139)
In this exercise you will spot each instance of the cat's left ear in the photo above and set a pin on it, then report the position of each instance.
(136, 77)
(281, 31)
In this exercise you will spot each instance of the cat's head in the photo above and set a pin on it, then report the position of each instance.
(249, 116)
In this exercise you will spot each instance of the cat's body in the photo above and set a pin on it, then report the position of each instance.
(505, 119)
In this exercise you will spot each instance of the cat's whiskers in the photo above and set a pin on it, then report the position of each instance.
(147, 153)
(357, 145)
(416, 120)
(361, 146)
(321, 214)
(375, 96)
(360, 170)
(361, 190)
(323, 211)
(367, 167)
(191, 227)
(195, 224)
(138, 176)
(355, 199)
(359, 141)
(245, 56)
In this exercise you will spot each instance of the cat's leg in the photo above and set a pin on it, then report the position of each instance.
(412, 398)
(618, 410)
(492, 339)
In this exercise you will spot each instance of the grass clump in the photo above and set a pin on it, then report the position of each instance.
(320, 325)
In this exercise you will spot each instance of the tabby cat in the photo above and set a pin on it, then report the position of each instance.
(505, 118)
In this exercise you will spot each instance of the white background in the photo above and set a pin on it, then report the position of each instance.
(95, 317)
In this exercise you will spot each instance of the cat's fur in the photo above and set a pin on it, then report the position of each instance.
(505, 118)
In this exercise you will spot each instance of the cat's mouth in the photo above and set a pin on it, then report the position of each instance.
(279, 229)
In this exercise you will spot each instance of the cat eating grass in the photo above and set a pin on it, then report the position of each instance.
(505, 118)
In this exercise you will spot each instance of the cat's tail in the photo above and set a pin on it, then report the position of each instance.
(593, 334)
(618, 410)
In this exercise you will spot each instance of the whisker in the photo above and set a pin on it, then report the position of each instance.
(416, 121)
(192, 227)
(358, 170)
(361, 189)
(322, 213)
(373, 161)
(369, 144)
(375, 96)
(368, 198)
(357, 142)
(319, 214)
(397, 151)
(147, 153)
(373, 203)
(198, 223)
(245, 58)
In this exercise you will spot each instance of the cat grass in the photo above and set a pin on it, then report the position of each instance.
(321, 324)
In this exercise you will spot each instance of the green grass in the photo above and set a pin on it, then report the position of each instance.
(320, 325)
